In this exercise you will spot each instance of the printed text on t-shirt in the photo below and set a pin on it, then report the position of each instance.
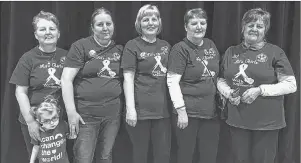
(50, 147)
(52, 81)
(158, 68)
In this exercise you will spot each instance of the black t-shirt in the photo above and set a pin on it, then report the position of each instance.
(243, 68)
(97, 86)
(41, 72)
(197, 65)
(149, 61)
(53, 144)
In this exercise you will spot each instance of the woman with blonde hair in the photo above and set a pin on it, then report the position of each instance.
(144, 63)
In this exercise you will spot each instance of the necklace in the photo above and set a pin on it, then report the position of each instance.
(100, 43)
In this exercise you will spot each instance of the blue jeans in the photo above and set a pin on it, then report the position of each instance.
(98, 133)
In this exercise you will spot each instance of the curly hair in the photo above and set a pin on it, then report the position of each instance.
(48, 106)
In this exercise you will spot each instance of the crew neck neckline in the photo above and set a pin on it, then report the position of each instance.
(42, 53)
(148, 43)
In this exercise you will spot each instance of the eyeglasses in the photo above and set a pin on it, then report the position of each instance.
(49, 121)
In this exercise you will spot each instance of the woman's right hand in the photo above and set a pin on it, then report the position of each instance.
(33, 129)
(182, 118)
(234, 100)
(131, 117)
(234, 97)
(73, 120)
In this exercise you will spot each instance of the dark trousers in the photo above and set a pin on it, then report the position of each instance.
(156, 130)
(96, 133)
(254, 146)
(204, 133)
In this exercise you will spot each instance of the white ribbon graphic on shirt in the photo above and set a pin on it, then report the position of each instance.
(51, 72)
(158, 60)
(106, 64)
(211, 73)
(241, 72)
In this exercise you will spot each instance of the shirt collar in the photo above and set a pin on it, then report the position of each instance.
(190, 44)
(254, 47)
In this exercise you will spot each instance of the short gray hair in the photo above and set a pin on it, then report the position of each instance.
(47, 16)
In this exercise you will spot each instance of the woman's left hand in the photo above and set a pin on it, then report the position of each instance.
(250, 95)
(74, 119)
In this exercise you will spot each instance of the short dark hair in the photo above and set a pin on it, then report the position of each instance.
(194, 13)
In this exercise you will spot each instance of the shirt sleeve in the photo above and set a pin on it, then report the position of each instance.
(21, 74)
(120, 50)
(129, 58)
(286, 85)
(223, 87)
(177, 61)
(215, 49)
(175, 90)
(224, 63)
(34, 142)
(281, 64)
(285, 75)
(75, 56)
(169, 46)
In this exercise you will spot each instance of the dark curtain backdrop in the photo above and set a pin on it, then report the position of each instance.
(223, 28)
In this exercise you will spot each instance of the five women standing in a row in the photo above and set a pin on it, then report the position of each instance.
(150, 73)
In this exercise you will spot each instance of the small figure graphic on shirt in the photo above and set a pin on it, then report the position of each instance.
(51, 72)
(206, 71)
(242, 73)
(106, 70)
(162, 70)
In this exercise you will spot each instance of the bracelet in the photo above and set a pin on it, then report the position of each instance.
(180, 107)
